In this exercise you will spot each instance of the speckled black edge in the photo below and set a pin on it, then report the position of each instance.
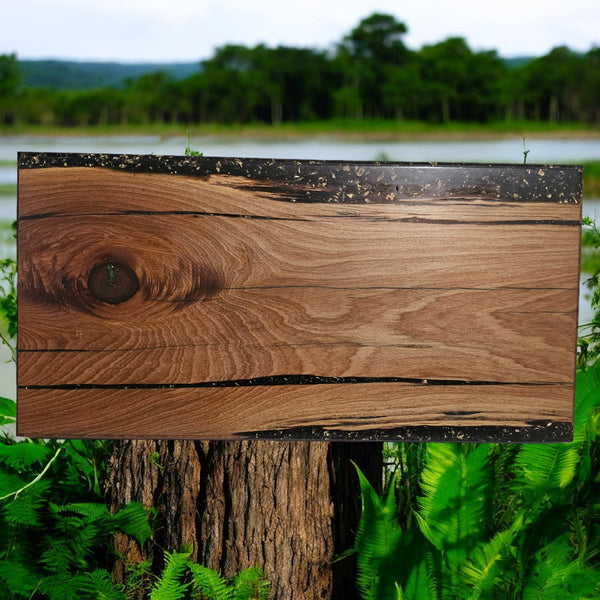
(535, 432)
(313, 181)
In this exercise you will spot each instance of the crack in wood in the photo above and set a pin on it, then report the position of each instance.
(420, 220)
(291, 380)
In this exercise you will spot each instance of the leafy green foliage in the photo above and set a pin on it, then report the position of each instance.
(171, 585)
(250, 584)
(8, 411)
(56, 533)
(455, 502)
(182, 579)
(56, 529)
(379, 542)
(492, 521)
(188, 148)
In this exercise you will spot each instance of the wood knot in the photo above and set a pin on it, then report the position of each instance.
(112, 282)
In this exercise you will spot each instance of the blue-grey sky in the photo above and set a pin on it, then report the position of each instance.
(189, 30)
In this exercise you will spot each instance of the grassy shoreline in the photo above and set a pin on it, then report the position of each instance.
(346, 129)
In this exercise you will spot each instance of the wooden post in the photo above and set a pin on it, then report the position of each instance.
(217, 298)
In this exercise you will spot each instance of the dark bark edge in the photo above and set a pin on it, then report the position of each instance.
(313, 181)
(534, 432)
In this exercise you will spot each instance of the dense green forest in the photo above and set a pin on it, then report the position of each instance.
(369, 74)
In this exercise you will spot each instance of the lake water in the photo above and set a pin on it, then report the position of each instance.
(541, 151)
(317, 148)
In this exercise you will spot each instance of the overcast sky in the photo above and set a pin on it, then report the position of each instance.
(190, 30)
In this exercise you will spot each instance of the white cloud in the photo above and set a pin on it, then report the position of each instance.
(162, 30)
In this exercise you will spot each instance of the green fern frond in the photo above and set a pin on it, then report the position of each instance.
(454, 506)
(25, 509)
(79, 466)
(543, 467)
(24, 454)
(171, 585)
(92, 510)
(99, 585)
(378, 540)
(61, 586)
(210, 584)
(20, 579)
(587, 402)
(57, 558)
(554, 574)
(482, 568)
(422, 582)
(9, 484)
(574, 581)
(133, 519)
(250, 584)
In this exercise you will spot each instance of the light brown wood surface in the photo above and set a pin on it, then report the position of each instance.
(264, 310)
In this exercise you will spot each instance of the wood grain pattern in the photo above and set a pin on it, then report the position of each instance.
(296, 300)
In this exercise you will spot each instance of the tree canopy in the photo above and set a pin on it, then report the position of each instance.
(370, 73)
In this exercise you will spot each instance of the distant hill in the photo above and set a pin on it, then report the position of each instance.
(518, 61)
(73, 75)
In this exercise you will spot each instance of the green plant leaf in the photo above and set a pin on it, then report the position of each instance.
(8, 411)
(543, 467)
(379, 542)
(555, 574)
(8, 299)
(250, 584)
(133, 520)
(422, 581)
(61, 586)
(211, 585)
(19, 577)
(24, 454)
(454, 508)
(482, 569)
(25, 509)
(93, 510)
(99, 585)
(587, 403)
(171, 586)
(10, 483)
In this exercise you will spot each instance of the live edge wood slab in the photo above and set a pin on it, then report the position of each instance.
(190, 297)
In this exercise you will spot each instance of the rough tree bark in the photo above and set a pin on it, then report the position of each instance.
(287, 507)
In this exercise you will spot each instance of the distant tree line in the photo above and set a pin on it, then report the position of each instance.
(370, 74)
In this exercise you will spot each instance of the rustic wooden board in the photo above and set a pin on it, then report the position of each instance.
(224, 298)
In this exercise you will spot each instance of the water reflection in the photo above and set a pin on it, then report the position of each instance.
(315, 147)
